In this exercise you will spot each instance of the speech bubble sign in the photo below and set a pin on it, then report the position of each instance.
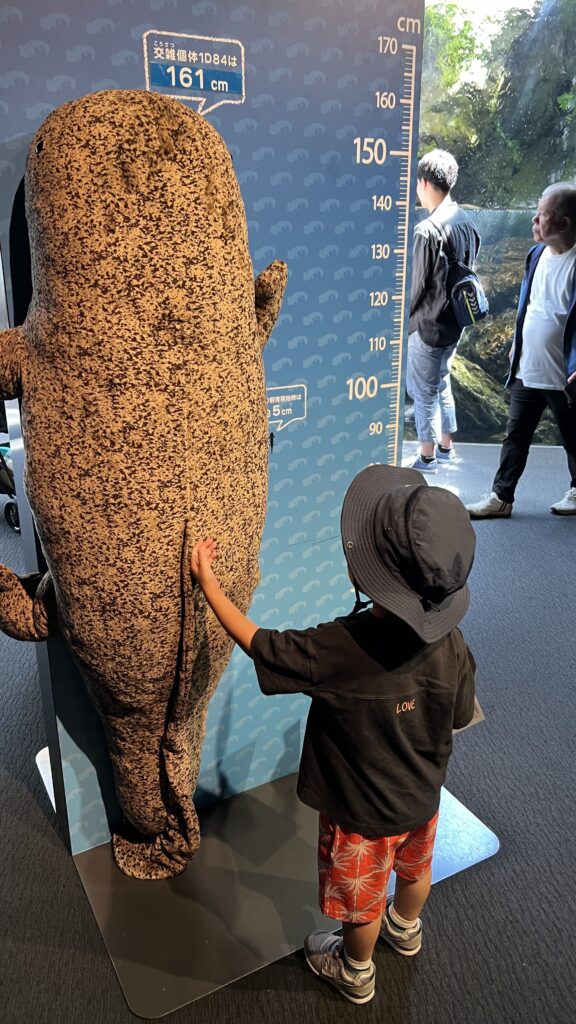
(203, 70)
(286, 405)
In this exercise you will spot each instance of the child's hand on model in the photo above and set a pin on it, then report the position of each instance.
(203, 554)
(230, 617)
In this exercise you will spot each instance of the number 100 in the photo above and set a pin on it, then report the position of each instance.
(362, 387)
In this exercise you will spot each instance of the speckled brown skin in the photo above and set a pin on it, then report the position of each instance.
(140, 372)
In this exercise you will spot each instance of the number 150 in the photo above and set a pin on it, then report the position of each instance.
(370, 151)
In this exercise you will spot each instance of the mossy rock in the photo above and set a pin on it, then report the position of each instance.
(488, 345)
(480, 405)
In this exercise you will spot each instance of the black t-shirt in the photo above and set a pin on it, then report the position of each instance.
(379, 731)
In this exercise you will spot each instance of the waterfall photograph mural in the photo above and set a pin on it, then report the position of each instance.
(499, 92)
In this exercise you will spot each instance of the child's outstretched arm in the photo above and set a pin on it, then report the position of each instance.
(236, 624)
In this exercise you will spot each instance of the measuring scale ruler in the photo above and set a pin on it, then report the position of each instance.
(393, 205)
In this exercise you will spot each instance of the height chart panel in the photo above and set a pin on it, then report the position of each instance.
(317, 101)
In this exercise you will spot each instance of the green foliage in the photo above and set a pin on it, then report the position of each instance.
(567, 102)
(454, 48)
(504, 101)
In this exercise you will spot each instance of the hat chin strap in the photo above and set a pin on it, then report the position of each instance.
(359, 604)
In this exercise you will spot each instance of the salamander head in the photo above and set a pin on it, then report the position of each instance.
(132, 203)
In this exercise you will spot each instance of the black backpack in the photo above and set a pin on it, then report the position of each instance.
(464, 289)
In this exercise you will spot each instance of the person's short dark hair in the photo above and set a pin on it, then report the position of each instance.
(564, 193)
(439, 168)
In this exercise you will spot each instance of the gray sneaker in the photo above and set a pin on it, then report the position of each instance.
(406, 941)
(490, 507)
(424, 467)
(448, 458)
(325, 956)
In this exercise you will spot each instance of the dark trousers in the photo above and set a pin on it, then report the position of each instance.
(526, 408)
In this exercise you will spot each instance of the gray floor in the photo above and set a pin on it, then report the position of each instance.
(498, 938)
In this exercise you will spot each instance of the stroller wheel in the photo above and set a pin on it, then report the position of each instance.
(11, 516)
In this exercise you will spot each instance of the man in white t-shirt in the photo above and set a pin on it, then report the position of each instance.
(543, 355)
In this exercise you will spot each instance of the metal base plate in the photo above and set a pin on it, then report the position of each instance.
(248, 898)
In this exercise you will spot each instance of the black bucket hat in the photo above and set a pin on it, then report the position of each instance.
(409, 547)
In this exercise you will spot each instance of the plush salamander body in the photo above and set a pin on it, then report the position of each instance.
(139, 365)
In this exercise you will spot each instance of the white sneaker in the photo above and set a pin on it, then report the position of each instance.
(566, 507)
(490, 507)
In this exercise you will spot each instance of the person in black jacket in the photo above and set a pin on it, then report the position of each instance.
(388, 686)
(434, 331)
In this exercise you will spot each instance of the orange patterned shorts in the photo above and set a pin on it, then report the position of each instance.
(354, 871)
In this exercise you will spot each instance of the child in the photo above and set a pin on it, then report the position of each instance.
(388, 686)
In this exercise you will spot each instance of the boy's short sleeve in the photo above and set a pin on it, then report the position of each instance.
(282, 660)
(464, 707)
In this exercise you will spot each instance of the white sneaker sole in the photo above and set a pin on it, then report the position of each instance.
(563, 511)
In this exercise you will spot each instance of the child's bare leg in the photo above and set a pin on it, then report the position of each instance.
(360, 939)
(410, 897)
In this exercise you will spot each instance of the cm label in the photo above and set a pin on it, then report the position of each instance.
(411, 25)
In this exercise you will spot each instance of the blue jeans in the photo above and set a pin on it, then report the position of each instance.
(428, 384)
